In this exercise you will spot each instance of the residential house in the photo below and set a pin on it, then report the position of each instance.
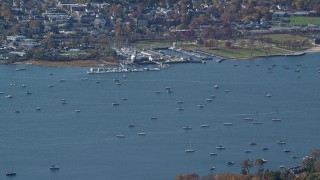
(99, 22)
(67, 4)
(15, 38)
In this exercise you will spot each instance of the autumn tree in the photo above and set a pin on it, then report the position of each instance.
(246, 165)
(193, 176)
(260, 163)
(5, 11)
(316, 153)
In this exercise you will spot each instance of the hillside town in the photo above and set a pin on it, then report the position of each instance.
(67, 30)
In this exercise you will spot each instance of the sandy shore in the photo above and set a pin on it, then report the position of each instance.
(79, 63)
(314, 49)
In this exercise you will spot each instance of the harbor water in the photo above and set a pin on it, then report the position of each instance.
(68, 119)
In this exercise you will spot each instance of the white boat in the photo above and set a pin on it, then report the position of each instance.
(11, 173)
(187, 127)
(248, 119)
(286, 151)
(200, 105)
(213, 153)
(77, 110)
(54, 167)
(115, 103)
(256, 122)
(276, 119)
(189, 150)
(120, 136)
(230, 163)
(281, 166)
(209, 99)
(9, 96)
(142, 134)
(212, 168)
(169, 91)
(247, 151)
(180, 108)
(51, 85)
(220, 147)
(116, 79)
(268, 95)
(204, 125)
(38, 108)
(216, 86)
(281, 142)
(180, 102)
(21, 69)
(28, 92)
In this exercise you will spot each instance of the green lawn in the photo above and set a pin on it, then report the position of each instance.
(239, 53)
(297, 20)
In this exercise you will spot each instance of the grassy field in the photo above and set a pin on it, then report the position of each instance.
(295, 20)
(245, 53)
(243, 48)
(239, 53)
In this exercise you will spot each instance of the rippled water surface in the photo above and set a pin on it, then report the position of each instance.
(85, 144)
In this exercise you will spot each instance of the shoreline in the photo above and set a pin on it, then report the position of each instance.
(75, 63)
(95, 63)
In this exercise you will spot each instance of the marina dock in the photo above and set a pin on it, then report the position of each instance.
(158, 58)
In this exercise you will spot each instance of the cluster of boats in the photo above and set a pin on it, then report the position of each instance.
(102, 70)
